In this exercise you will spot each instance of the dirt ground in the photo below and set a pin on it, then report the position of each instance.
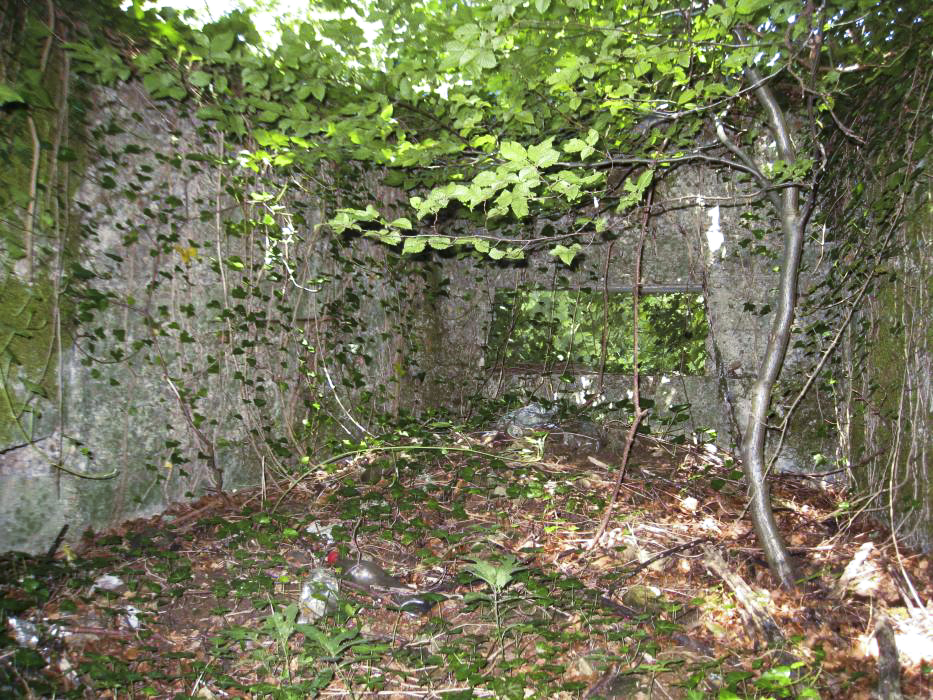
(202, 601)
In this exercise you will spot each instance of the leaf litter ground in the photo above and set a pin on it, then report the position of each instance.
(202, 602)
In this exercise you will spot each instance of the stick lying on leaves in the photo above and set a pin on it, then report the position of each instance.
(889, 666)
(757, 620)
(682, 547)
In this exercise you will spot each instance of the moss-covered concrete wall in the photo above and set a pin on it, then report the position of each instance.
(28, 359)
(891, 422)
(199, 358)
(88, 438)
(206, 352)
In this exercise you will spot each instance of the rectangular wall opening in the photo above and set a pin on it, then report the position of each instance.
(562, 330)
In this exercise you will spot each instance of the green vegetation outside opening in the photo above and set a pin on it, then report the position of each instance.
(563, 330)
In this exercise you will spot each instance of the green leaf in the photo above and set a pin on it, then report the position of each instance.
(497, 574)
(484, 142)
(486, 59)
(746, 7)
(644, 180)
(543, 155)
(318, 89)
(9, 96)
(385, 236)
(343, 222)
(574, 145)
(519, 206)
(514, 151)
(222, 43)
(199, 78)
(566, 254)
(209, 113)
(440, 242)
(414, 245)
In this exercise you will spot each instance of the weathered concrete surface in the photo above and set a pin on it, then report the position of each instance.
(120, 412)
(207, 355)
(196, 373)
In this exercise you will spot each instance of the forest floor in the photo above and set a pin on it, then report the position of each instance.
(674, 601)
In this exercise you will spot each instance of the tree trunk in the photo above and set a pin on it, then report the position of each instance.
(753, 449)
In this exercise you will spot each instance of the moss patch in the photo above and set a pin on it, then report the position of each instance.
(28, 356)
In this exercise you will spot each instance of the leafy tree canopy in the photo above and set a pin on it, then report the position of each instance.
(499, 112)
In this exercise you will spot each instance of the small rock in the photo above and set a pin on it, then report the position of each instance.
(582, 436)
(107, 582)
(689, 504)
(643, 598)
(862, 575)
(325, 532)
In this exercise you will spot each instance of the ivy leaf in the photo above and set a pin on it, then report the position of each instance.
(81, 273)
(746, 7)
(187, 253)
(566, 254)
(207, 113)
(318, 89)
(222, 43)
(199, 78)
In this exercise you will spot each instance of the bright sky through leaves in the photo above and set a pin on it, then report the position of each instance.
(266, 14)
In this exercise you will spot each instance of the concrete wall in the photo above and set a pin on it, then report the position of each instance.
(121, 418)
(184, 374)
(202, 354)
